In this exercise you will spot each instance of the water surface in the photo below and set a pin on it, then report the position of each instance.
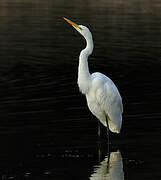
(47, 131)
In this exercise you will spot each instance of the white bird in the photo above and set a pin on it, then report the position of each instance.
(103, 97)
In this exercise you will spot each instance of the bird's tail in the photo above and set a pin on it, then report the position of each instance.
(115, 126)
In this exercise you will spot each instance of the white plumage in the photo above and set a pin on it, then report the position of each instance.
(103, 97)
(104, 101)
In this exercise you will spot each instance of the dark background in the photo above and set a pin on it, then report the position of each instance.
(46, 129)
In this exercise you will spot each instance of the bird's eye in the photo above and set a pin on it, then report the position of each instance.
(80, 28)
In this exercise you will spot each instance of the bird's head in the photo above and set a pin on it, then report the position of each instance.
(83, 30)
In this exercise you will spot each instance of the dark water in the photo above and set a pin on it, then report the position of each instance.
(46, 129)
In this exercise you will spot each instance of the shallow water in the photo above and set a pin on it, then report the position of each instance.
(47, 131)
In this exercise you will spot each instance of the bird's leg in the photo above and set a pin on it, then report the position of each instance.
(99, 142)
(108, 139)
(99, 154)
(108, 133)
(99, 130)
(108, 162)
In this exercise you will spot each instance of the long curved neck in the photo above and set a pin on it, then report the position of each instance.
(83, 70)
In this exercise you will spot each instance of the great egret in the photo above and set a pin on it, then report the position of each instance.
(103, 97)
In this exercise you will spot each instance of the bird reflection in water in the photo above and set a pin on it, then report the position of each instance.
(110, 168)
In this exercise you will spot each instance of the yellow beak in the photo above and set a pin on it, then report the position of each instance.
(72, 23)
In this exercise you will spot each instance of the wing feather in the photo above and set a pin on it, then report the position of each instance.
(109, 99)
